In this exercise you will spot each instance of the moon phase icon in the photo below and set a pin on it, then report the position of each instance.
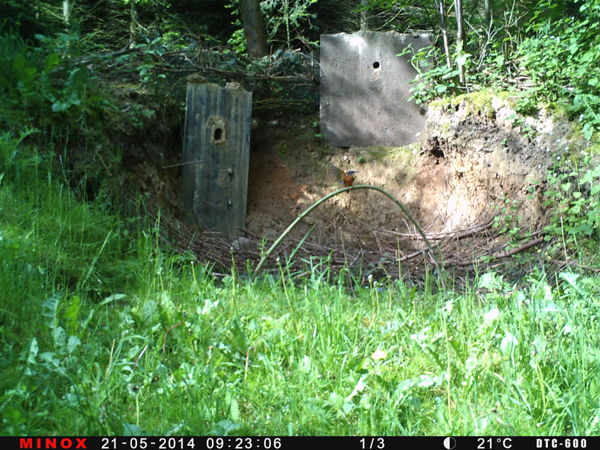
(449, 443)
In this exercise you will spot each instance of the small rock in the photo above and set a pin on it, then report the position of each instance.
(243, 244)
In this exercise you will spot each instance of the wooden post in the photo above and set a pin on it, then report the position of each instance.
(216, 155)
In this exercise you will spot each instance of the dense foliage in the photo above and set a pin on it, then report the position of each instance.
(546, 50)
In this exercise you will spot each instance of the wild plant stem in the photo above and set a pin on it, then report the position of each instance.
(323, 200)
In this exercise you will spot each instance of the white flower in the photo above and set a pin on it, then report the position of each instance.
(379, 355)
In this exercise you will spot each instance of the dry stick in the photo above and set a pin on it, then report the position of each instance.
(167, 332)
(110, 357)
(183, 164)
(246, 365)
(327, 197)
(574, 263)
(457, 234)
(505, 254)
(352, 228)
(377, 240)
(413, 255)
(139, 357)
(520, 248)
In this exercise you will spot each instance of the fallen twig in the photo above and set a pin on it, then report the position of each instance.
(167, 332)
(514, 251)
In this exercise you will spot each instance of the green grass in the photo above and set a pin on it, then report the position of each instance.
(102, 331)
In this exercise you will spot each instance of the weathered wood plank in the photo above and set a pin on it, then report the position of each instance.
(217, 146)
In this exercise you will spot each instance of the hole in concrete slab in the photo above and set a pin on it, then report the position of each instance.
(376, 65)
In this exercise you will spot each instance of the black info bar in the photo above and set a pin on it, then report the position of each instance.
(298, 442)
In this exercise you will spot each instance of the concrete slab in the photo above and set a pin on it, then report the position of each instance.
(365, 89)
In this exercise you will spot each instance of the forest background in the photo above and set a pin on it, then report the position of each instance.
(107, 329)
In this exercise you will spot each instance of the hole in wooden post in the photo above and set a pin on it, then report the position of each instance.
(218, 132)
(376, 65)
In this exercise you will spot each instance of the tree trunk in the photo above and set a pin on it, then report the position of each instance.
(460, 36)
(363, 15)
(488, 15)
(254, 28)
(444, 32)
(66, 11)
(133, 26)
